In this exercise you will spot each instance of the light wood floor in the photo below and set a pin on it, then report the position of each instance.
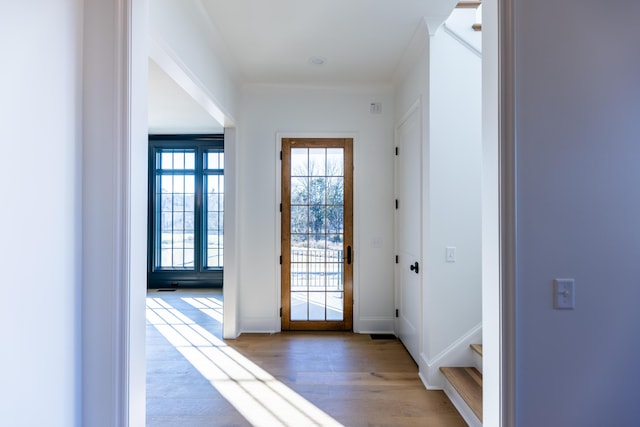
(288, 379)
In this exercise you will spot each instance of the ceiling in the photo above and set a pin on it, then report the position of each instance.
(172, 110)
(273, 42)
(362, 41)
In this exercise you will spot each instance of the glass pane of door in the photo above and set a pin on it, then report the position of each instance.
(317, 203)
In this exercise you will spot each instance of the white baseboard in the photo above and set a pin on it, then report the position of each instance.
(366, 325)
(456, 354)
(259, 325)
(376, 325)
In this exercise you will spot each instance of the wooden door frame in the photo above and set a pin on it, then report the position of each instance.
(277, 326)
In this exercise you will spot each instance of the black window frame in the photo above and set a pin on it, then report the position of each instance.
(200, 276)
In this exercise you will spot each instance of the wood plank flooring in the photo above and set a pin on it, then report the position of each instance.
(330, 377)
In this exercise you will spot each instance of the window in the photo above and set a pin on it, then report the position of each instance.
(186, 206)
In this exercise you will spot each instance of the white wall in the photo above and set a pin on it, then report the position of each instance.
(453, 291)
(40, 111)
(182, 36)
(268, 111)
(446, 75)
(578, 208)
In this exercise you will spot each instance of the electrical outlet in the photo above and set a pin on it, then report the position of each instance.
(564, 297)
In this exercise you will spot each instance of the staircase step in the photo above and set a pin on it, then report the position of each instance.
(468, 383)
(477, 348)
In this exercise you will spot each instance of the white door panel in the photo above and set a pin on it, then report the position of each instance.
(408, 229)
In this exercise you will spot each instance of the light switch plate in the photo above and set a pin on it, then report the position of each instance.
(450, 255)
(564, 294)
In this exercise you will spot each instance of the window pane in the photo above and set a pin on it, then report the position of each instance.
(334, 275)
(299, 219)
(214, 186)
(166, 221)
(214, 257)
(166, 202)
(188, 258)
(317, 305)
(334, 219)
(165, 258)
(178, 184)
(189, 184)
(178, 258)
(317, 161)
(189, 202)
(190, 160)
(178, 160)
(299, 191)
(299, 277)
(299, 248)
(335, 162)
(166, 184)
(335, 191)
(334, 305)
(317, 187)
(213, 222)
(212, 160)
(166, 160)
(299, 306)
(299, 162)
(189, 222)
(177, 218)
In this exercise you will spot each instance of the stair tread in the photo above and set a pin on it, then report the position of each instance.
(468, 383)
(477, 348)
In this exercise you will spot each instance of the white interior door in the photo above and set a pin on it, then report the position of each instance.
(409, 232)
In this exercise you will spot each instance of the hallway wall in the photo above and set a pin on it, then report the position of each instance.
(269, 110)
(445, 77)
(578, 208)
(40, 250)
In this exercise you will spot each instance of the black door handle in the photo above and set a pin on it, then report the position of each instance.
(348, 254)
(415, 267)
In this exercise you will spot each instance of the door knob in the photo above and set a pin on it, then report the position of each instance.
(415, 267)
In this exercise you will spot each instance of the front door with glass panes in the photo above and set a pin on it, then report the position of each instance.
(186, 182)
(317, 234)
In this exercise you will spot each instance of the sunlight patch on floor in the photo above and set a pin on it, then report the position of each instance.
(256, 394)
(209, 306)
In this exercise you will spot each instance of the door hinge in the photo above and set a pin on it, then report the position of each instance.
(280, 154)
(280, 259)
(397, 259)
(280, 311)
(397, 313)
(397, 150)
(396, 203)
(280, 207)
